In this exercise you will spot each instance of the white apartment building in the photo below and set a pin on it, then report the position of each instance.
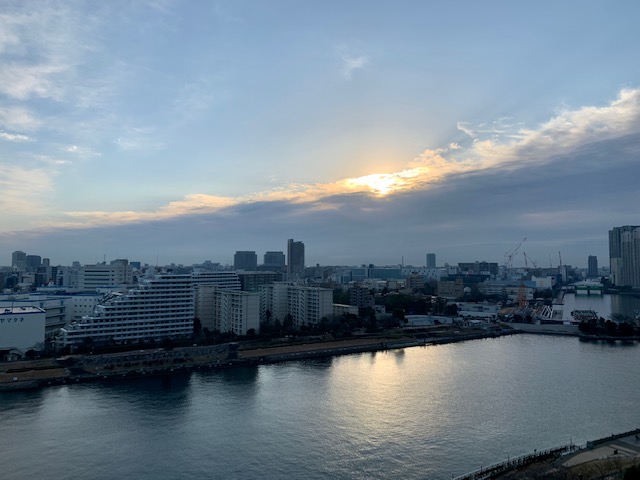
(236, 312)
(227, 310)
(161, 306)
(224, 279)
(307, 305)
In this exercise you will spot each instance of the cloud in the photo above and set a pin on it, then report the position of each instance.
(18, 118)
(351, 64)
(24, 189)
(14, 137)
(484, 161)
(494, 192)
(352, 61)
(81, 152)
(139, 139)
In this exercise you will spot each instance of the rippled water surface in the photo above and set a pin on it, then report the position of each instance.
(423, 412)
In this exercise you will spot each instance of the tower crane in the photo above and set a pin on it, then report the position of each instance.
(508, 255)
(527, 257)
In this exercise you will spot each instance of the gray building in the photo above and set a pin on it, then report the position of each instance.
(274, 261)
(295, 257)
(431, 260)
(624, 255)
(592, 266)
(19, 260)
(245, 260)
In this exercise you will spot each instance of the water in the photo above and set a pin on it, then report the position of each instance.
(423, 412)
(604, 305)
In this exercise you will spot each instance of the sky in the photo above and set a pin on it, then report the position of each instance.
(373, 131)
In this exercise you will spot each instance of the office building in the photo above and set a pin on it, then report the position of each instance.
(431, 260)
(295, 258)
(245, 260)
(274, 261)
(118, 272)
(33, 262)
(19, 260)
(624, 256)
(592, 266)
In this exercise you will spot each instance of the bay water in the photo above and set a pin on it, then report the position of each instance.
(419, 413)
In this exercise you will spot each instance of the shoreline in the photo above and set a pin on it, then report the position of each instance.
(602, 456)
(30, 375)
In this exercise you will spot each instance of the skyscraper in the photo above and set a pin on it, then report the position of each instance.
(592, 266)
(274, 261)
(295, 257)
(624, 255)
(245, 260)
(431, 260)
(19, 260)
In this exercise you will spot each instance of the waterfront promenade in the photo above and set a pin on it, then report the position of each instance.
(607, 457)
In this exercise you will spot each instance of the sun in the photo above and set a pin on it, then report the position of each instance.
(379, 183)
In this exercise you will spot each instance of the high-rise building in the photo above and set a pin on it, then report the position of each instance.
(624, 255)
(592, 266)
(431, 260)
(19, 260)
(245, 260)
(274, 261)
(33, 262)
(295, 257)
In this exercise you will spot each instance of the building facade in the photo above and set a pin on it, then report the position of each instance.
(274, 261)
(431, 260)
(245, 260)
(21, 327)
(306, 305)
(592, 266)
(295, 258)
(624, 256)
(118, 272)
(161, 306)
(19, 260)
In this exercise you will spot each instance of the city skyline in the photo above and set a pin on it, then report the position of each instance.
(375, 133)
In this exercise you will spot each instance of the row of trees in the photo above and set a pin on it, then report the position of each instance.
(618, 326)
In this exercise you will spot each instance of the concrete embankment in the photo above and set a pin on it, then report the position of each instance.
(602, 458)
(107, 367)
(547, 329)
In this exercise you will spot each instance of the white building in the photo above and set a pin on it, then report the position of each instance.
(118, 272)
(228, 310)
(223, 279)
(161, 306)
(306, 305)
(54, 307)
(21, 327)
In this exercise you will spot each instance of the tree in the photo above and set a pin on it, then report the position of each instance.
(610, 328)
(197, 327)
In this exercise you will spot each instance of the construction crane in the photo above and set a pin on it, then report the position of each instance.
(526, 257)
(508, 255)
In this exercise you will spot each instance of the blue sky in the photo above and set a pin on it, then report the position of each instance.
(372, 131)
